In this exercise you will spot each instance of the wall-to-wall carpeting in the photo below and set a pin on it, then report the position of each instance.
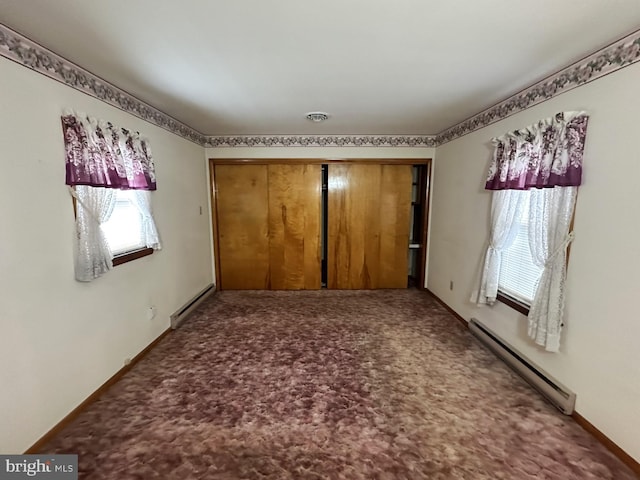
(327, 385)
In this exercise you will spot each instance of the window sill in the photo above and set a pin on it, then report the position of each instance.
(130, 256)
(513, 303)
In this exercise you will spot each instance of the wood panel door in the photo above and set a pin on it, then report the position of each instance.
(268, 225)
(368, 226)
(295, 203)
(242, 202)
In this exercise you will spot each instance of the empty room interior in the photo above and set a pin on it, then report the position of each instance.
(343, 240)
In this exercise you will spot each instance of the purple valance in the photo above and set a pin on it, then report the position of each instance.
(100, 154)
(547, 154)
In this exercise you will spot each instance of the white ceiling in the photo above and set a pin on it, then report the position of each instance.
(238, 67)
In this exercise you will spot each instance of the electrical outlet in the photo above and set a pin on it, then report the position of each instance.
(451, 285)
(151, 312)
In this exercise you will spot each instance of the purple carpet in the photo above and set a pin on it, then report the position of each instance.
(327, 385)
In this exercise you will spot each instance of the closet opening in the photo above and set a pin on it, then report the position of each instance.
(418, 225)
(324, 223)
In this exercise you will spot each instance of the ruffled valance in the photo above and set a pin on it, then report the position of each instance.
(546, 154)
(100, 154)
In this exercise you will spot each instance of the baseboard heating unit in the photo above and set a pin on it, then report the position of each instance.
(560, 396)
(184, 311)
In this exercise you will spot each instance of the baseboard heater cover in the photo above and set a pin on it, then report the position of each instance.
(560, 396)
(183, 312)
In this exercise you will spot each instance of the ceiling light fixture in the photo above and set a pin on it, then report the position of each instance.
(317, 117)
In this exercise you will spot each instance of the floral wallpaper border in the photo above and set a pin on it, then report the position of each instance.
(618, 55)
(322, 141)
(24, 51)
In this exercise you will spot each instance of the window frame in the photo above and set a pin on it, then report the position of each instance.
(517, 305)
(131, 255)
(123, 257)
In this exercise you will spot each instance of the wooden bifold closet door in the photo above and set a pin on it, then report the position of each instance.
(268, 224)
(368, 230)
(295, 205)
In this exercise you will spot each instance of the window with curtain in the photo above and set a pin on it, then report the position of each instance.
(534, 179)
(519, 274)
(110, 173)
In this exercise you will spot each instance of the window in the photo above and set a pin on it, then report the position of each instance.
(519, 276)
(124, 180)
(124, 229)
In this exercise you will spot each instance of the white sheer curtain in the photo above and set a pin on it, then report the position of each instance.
(550, 214)
(94, 206)
(506, 207)
(142, 200)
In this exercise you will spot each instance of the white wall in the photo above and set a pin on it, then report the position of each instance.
(600, 357)
(61, 339)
